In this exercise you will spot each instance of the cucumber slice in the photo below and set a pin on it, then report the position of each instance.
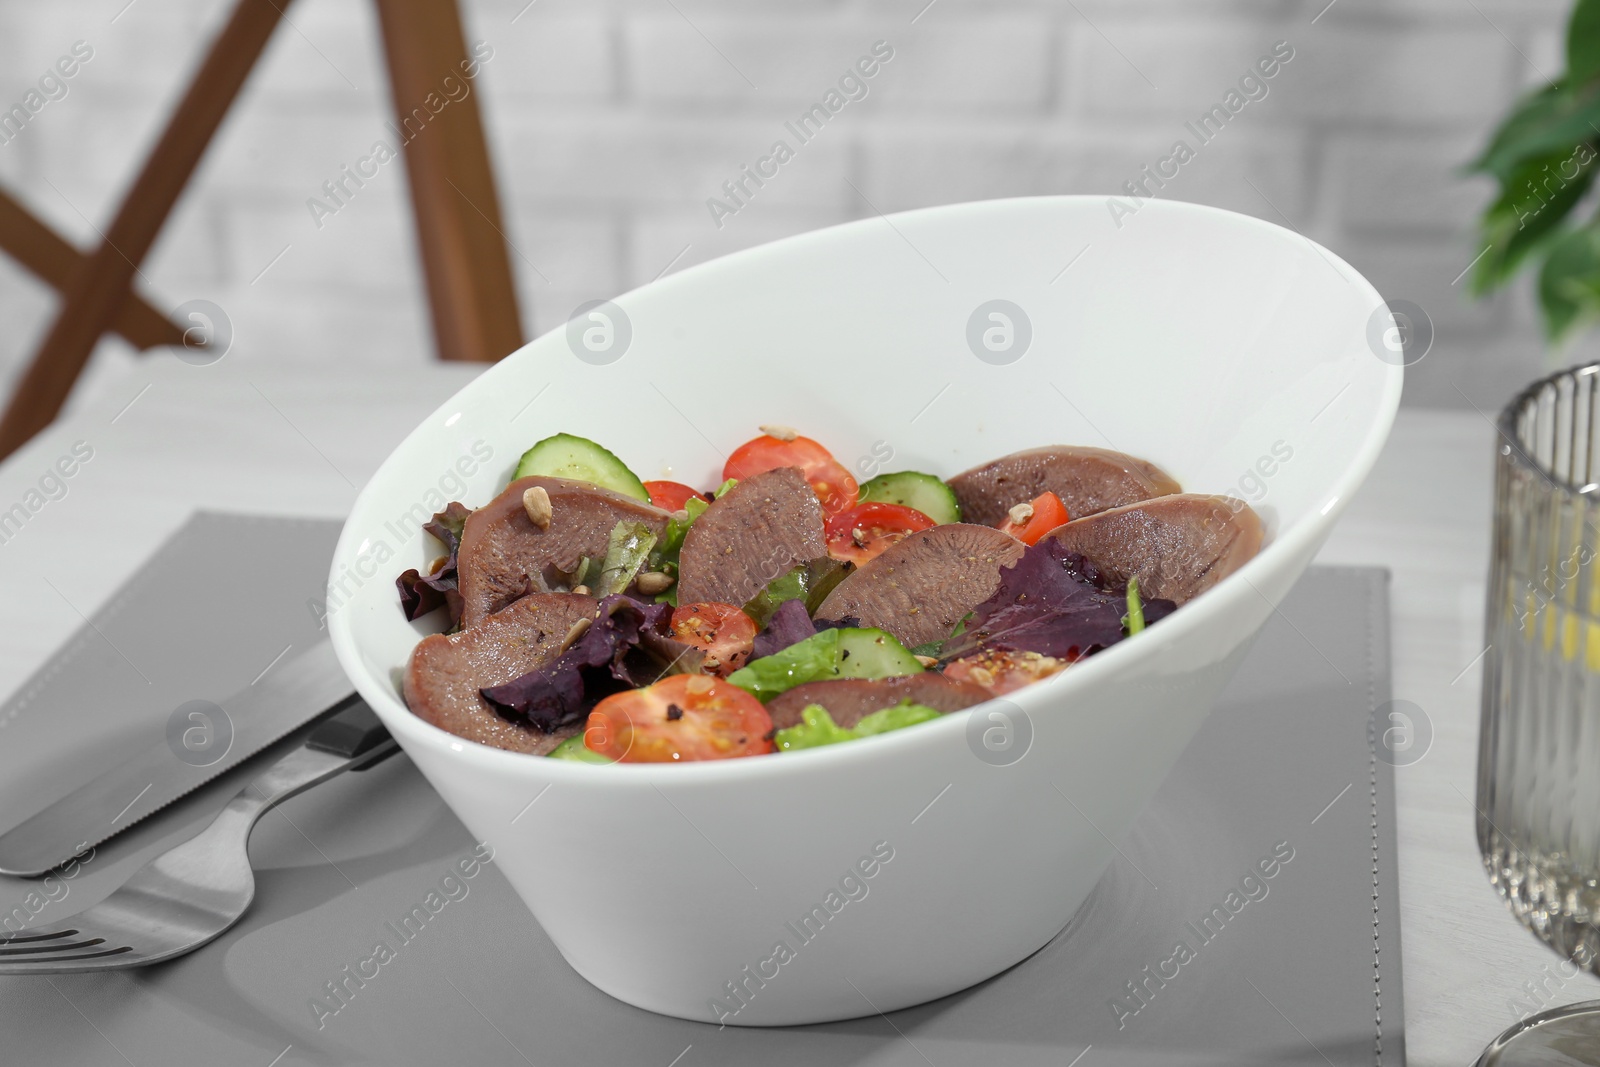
(843, 653)
(866, 653)
(913, 489)
(568, 456)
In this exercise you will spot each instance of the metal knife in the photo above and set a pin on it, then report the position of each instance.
(299, 690)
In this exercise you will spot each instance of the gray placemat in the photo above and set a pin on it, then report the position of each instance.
(1301, 966)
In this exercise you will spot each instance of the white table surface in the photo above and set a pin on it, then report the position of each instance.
(234, 437)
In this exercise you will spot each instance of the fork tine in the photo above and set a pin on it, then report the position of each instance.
(54, 946)
(46, 963)
(44, 935)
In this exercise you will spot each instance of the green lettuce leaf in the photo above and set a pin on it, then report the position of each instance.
(811, 660)
(811, 581)
(664, 556)
(575, 750)
(817, 728)
(906, 713)
(628, 548)
(1133, 621)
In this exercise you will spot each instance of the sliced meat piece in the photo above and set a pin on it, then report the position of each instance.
(849, 700)
(919, 589)
(1178, 546)
(1088, 480)
(501, 546)
(754, 533)
(446, 671)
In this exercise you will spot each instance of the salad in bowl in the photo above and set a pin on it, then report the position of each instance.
(597, 617)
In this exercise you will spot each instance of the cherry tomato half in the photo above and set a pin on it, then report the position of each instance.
(671, 496)
(827, 477)
(681, 718)
(863, 532)
(1000, 671)
(1048, 513)
(723, 632)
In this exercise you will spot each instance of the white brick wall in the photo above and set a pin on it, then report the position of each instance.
(612, 121)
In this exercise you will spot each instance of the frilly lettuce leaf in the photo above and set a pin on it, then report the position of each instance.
(816, 727)
(1054, 602)
(788, 625)
(810, 660)
(626, 551)
(563, 690)
(810, 582)
(420, 594)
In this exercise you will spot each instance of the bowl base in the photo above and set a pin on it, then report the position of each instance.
(878, 1007)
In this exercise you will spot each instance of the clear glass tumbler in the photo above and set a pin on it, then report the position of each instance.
(1539, 756)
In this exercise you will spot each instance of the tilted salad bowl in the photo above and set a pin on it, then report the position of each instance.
(864, 877)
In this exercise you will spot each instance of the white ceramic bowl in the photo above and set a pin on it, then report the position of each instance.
(1231, 352)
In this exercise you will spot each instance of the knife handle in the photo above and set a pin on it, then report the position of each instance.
(298, 771)
(351, 740)
(350, 733)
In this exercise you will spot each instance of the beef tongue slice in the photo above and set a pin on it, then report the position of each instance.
(921, 587)
(501, 547)
(446, 671)
(1088, 480)
(755, 532)
(1177, 546)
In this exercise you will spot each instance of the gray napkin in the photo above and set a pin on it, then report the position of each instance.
(220, 601)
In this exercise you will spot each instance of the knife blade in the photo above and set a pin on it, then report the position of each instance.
(301, 689)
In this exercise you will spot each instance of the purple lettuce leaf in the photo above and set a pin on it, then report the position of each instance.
(1053, 602)
(788, 625)
(550, 697)
(564, 689)
(420, 594)
(657, 656)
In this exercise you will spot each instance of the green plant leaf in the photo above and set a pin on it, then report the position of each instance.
(1533, 203)
(1569, 284)
(1549, 121)
(1583, 42)
(1542, 154)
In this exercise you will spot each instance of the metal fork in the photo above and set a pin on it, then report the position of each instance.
(191, 894)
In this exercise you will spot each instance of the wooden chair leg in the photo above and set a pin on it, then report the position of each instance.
(43, 251)
(102, 285)
(464, 251)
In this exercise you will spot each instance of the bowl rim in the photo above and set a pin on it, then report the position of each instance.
(1049, 696)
